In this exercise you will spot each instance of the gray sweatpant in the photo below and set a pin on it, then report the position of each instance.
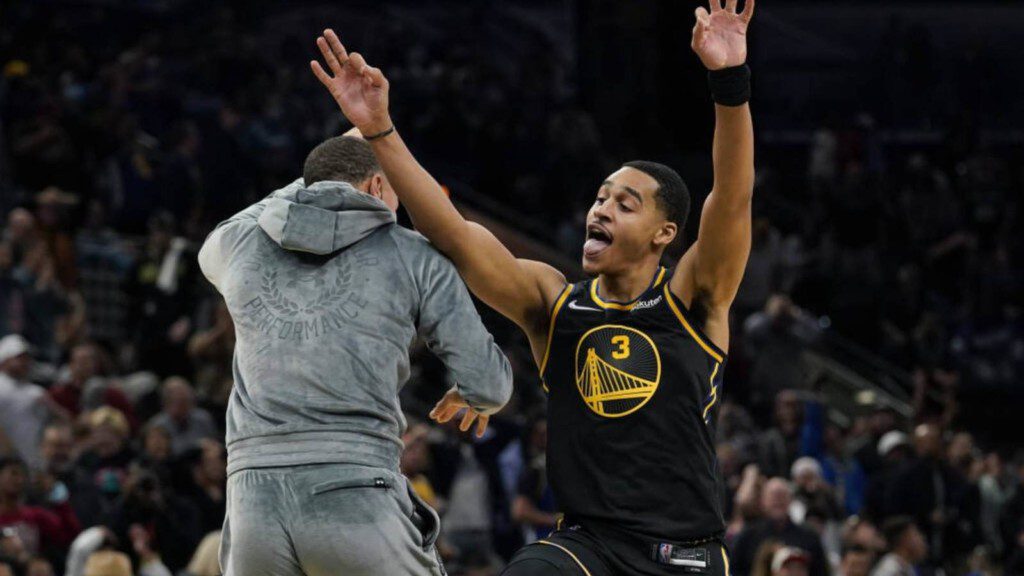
(326, 520)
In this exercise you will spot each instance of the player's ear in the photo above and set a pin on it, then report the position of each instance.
(666, 234)
(376, 186)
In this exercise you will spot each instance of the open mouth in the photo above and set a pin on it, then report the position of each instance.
(598, 240)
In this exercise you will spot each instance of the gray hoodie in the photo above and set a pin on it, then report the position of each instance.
(327, 293)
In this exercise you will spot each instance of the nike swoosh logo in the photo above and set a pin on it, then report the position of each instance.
(574, 306)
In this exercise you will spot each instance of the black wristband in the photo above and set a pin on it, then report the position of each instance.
(379, 134)
(730, 86)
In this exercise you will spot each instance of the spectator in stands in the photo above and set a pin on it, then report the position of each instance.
(186, 422)
(826, 442)
(856, 561)
(776, 524)
(108, 563)
(58, 479)
(211, 351)
(85, 388)
(894, 449)
(172, 523)
(106, 461)
(415, 463)
(161, 288)
(907, 548)
(534, 504)
(39, 530)
(789, 561)
(24, 407)
(882, 421)
(780, 445)
(156, 451)
(206, 485)
(943, 505)
(813, 496)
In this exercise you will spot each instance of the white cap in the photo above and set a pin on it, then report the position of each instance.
(12, 346)
(788, 554)
(890, 441)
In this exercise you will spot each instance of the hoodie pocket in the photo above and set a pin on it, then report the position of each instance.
(347, 483)
(425, 519)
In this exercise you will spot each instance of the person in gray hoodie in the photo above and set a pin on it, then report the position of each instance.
(327, 294)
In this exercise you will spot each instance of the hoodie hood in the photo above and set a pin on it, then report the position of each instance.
(323, 218)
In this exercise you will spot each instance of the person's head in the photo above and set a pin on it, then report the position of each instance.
(638, 212)
(107, 563)
(835, 437)
(161, 231)
(416, 454)
(788, 412)
(178, 398)
(21, 225)
(84, 362)
(905, 538)
(859, 531)
(38, 566)
(776, 499)
(894, 447)
(790, 561)
(928, 441)
(56, 447)
(6, 569)
(806, 474)
(108, 431)
(15, 356)
(156, 443)
(349, 159)
(961, 449)
(856, 560)
(212, 465)
(13, 478)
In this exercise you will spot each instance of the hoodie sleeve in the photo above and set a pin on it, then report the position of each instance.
(449, 323)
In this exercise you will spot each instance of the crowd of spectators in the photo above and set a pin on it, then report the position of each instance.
(119, 151)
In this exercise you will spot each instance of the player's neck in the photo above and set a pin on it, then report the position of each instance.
(628, 285)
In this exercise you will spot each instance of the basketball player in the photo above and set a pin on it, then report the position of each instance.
(632, 359)
(327, 293)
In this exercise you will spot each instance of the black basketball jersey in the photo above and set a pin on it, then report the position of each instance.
(633, 389)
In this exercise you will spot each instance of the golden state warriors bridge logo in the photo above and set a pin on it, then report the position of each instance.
(617, 369)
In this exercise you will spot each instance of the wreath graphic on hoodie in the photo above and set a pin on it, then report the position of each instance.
(329, 293)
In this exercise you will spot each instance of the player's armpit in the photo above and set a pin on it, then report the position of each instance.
(521, 290)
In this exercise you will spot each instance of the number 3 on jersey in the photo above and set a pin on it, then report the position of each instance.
(623, 343)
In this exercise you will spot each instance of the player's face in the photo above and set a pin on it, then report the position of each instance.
(625, 225)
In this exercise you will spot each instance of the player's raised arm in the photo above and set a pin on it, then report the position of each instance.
(713, 267)
(522, 290)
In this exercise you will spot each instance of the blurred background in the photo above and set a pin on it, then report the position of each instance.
(874, 391)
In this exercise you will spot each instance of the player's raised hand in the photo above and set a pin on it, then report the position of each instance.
(720, 37)
(451, 404)
(359, 89)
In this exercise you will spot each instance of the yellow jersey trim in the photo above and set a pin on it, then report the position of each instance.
(619, 306)
(686, 325)
(567, 551)
(551, 332)
(661, 275)
(725, 559)
(714, 393)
